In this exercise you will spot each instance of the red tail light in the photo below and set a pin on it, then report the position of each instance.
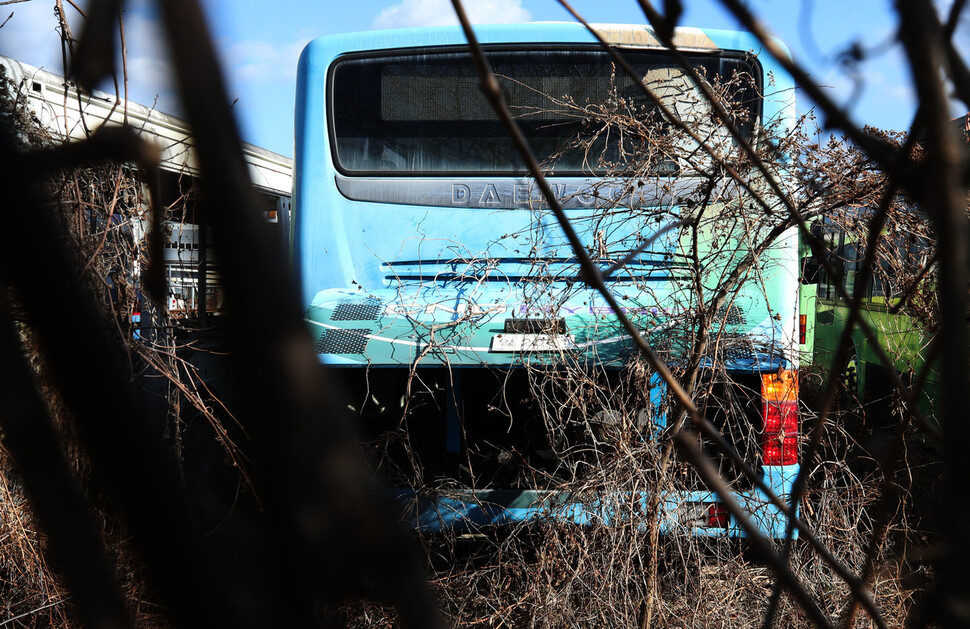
(802, 328)
(779, 406)
(717, 516)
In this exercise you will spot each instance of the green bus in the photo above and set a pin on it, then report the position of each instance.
(896, 312)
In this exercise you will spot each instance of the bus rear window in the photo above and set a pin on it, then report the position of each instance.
(401, 114)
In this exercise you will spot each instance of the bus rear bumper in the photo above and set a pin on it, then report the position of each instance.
(698, 513)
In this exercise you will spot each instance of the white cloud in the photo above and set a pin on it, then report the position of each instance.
(150, 75)
(254, 61)
(31, 35)
(441, 13)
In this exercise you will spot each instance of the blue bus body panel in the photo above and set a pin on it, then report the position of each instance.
(391, 285)
(338, 234)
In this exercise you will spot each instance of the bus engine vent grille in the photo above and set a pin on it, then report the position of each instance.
(358, 310)
(737, 348)
(731, 315)
(352, 341)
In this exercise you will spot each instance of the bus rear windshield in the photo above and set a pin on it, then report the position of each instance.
(423, 113)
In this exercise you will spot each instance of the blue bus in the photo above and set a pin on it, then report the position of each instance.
(444, 298)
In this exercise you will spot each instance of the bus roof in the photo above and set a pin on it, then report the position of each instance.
(624, 35)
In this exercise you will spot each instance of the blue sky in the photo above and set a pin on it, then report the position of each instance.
(260, 41)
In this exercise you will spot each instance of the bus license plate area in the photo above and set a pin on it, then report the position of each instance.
(532, 343)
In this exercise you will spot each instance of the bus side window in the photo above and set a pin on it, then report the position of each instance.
(880, 290)
(811, 267)
(832, 238)
(849, 255)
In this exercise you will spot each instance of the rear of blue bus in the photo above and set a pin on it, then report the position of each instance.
(443, 297)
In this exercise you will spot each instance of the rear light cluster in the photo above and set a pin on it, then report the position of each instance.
(704, 515)
(779, 411)
(717, 516)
